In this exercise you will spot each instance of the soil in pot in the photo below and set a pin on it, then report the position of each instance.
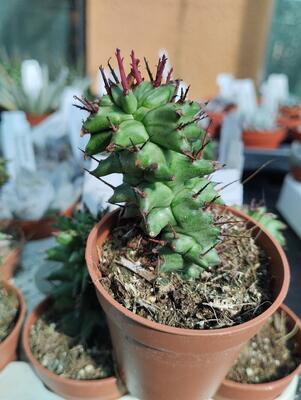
(9, 309)
(270, 355)
(232, 293)
(65, 355)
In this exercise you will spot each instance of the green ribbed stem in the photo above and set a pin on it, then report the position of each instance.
(157, 144)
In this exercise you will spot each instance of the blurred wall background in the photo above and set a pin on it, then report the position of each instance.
(202, 37)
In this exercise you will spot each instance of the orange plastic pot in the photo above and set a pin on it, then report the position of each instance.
(34, 119)
(164, 363)
(10, 263)
(230, 390)
(42, 228)
(70, 389)
(289, 122)
(8, 348)
(263, 139)
(12, 259)
(216, 119)
(291, 112)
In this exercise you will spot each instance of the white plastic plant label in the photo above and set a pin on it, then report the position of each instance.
(31, 78)
(73, 118)
(225, 83)
(273, 92)
(245, 96)
(16, 143)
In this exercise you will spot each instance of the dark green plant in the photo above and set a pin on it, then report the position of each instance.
(75, 302)
(153, 137)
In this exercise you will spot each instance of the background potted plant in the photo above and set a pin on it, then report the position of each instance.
(261, 131)
(37, 98)
(159, 264)
(268, 363)
(12, 313)
(65, 338)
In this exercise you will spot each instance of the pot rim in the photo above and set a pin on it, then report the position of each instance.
(31, 319)
(22, 311)
(266, 385)
(96, 276)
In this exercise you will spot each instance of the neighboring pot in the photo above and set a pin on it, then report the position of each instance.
(36, 119)
(230, 390)
(263, 139)
(8, 347)
(289, 123)
(296, 133)
(70, 389)
(295, 161)
(164, 363)
(217, 119)
(12, 259)
(41, 228)
(291, 111)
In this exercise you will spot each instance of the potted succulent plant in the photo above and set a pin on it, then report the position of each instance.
(290, 114)
(172, 267)
(12, 312)
(17, 93)
(65, 338)
(269, 361)
(260, 131)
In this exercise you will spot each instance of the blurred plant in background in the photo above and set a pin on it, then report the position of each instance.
(75, 302)
(28, 86)
(3, 174)
(269, 220)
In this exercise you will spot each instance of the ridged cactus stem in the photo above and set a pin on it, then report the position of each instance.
(154, 139)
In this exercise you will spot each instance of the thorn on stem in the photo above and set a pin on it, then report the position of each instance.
(124, 82)
(113, 72)
(148, 70)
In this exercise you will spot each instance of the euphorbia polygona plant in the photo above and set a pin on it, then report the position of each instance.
(154, 139)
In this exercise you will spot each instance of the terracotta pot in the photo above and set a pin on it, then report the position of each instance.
(12, 259)
(10, 263)
(263, 139)
(291, 112)
(164, 363)
(216, 123)
(36, 119)
(230, 390)
(289, 122)
(70, 389)
(8, 348)
(296, 172)
(42, 228)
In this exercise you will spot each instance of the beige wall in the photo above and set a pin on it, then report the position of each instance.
(202, 37)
